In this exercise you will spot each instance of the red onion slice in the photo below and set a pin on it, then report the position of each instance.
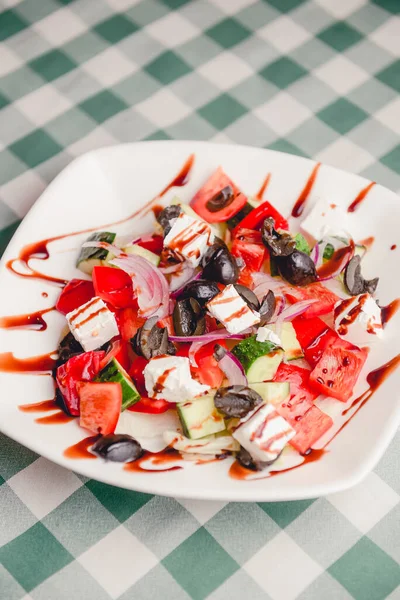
(315, 254)
(149, 283)
(233, 369)
(264, 282)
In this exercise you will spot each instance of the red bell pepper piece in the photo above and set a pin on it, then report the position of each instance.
(256, 217)
(129, 322)
(83, 367)
(75, 293)
(247, 244)
(136, 373)
(150, 406)
(154, 244)
(114, 286)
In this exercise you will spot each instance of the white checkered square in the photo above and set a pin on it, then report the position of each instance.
(283, 113)
(284, 33)
(173, 30)
(117, 561)
(341, 74)
(343, 154)
(341, 9)
(43, 105)
(282, 569)
(110, 66)
(389, 115)
(9, 61)
(43, 486)
(388, 36)
(225, 70)
(231, 7)
(21, 192)
(60, 27)
(163, 108)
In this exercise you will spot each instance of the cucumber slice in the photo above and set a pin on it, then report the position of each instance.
(116, 373)
(139, 251)
(200, 418)
(260, 360)
(92, 257)
(247, 208)
(272, 391)
(290, 344)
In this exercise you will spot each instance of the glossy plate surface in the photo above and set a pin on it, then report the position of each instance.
(110, 184)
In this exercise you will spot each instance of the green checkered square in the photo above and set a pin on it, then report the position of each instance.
(10, 24)
(222, 111)
(340, 36)
(3, 101)
(283, 72)
(391, 75)
(342, 115)
(103, 106)
(119, 502)
(52, 65)
(116, 28)
(35, 148)
(283, 513)
(200, 564)
(392, 159)
(34, 556)
(167, 67)
(286, 5)
(228, 33)
(366, 571)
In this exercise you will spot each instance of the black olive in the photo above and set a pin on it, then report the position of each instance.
(267, 307)
(60, 402)
(171, 350)
(221, 267)
(221, 199)
(236, 400)
(219, 352)
(188, 317)
(278, 244)
(201, 290)
(355, 282)
(297, 268)
(151, 340)
(218, 243)
(245, 459)
(67, 348)
(118, 448)
(167, 215)
(248, 296)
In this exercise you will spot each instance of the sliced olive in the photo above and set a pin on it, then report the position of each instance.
(221, 199)
(236, 400)
(248, 296)
(355, 282)
(297, 268)
(249, 462)
(118, 448)
(278, 244)
(221, 266)
(167, 215)
(150, 340)
(267, 307)
(219, 352)
(188, 317)
(201, 290)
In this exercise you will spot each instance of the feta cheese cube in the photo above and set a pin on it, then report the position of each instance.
(358, 319)
(326, 218)
(92, 324)
(265, 334)
(264, 434)
(230, 308)
(189, 239)
(169, 377)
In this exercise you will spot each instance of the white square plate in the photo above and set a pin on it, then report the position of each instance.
(108, 185)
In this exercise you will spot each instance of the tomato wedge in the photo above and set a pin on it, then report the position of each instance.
(247, 245)
(314, 336)
(83, 367)
(213, 185)
(136, 373)
(100, 406)
(154, 244)
(298, 377)
(114, 286)
(208, 371)
(256, 217)
(150, 406)
(129, 322)
(337, 371)
(325, 299)
(75, 293)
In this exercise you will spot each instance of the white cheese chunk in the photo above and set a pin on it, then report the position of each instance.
(264, 434)
(265, 334)
(358, 319)
(211, 444)
(169, 377)
(230, 308)
(326, 218)
(189, 239)
(92, 324)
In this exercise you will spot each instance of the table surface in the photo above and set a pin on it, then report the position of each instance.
(318, 79)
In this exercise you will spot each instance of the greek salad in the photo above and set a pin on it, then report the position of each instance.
(215, 333)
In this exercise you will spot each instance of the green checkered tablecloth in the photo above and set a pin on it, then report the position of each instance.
(317, 78)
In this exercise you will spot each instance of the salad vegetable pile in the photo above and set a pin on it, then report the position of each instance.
(220, 326)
